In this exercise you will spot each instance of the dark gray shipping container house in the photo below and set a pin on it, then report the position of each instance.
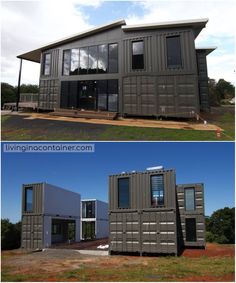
(149, 213)
(141, 70)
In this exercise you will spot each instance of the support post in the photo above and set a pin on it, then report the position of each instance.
(18, 88)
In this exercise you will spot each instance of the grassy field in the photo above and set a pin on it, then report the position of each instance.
(16, 128)
(61, 265)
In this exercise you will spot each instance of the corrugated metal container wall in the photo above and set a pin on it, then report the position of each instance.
(203, 80)
(155, 55)
(143, 231)
(37, 201)
(140, 191)
(197, 214)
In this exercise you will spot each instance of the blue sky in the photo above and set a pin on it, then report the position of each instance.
(28, 25)
(87, 173)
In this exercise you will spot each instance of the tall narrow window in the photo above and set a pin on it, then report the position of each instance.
(189, 195)
(29, 199)
(137, 55)
(83, 60)
(66, 63)
(157, 190)
(190, 228)
(102, 58)
(173, 52)
(46, 64)
(113, 58)
(112, 95)
(74, 64)
(88, 209)
(123, 193)
(93, 59)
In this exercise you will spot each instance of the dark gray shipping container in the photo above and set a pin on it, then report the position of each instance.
(169, 225)
(156, 89)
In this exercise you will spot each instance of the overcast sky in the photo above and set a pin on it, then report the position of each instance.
(28, 25)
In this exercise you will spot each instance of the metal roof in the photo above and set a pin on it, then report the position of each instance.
(34, 55)
(196, 24)
(207, 49)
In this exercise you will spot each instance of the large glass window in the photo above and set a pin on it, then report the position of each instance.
(137, 55)
(157, 190)
(66, 62)
(189, 195)
(102, 58)
(123, 193)
(93, 59)
(74, 67)
(112, 95)
(29, 199)
(88, 209)
(173, 52)
(190, 228)
(46, 64)
(83, 68)
(102, 94)
(56, 228)
(113, 58)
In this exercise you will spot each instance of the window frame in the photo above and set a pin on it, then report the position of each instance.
(44, 61)
(180, 66)
(108, 62)
(194, 200)
(63, 57)
(118, 194)
(132, 55)
(151, 194)
(26, 209)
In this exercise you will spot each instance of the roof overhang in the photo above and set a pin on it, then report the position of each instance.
(208, 50)
(197, 25)
(35, 55)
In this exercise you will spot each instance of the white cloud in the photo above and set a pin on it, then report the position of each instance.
(27, 25)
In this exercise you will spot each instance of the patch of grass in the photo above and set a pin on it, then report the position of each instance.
(4, 118)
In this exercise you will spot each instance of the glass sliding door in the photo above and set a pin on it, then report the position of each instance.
(87, 95)
(88, 230)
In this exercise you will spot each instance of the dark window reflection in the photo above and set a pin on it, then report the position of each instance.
(66, 62)
(173, 52)
(88, 209)
(112, 95)
(137, 55)
(102, 94)
(123, 193)
(74, 68)
(93, 57)
(29, 199)
(83, 60)
(102, 58)
(113, 58)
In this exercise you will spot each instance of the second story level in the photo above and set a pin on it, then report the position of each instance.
(94, 209)
(119, 49)
(46, 199)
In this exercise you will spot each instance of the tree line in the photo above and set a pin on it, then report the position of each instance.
(9, 92)
(219, 229)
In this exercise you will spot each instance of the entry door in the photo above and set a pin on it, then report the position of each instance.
(87, 95)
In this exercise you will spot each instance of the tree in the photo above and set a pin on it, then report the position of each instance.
(225, 89)
(214, 95)
(10, 235)
(8, 93)
(29, 88)
(220, 226)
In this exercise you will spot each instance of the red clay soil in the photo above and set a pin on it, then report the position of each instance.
(212, 250)
(226, 278)
(83, 245)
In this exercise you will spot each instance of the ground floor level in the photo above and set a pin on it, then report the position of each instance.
(140, 95)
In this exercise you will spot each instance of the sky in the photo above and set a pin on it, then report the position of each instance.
(211, 163)
(28, 25)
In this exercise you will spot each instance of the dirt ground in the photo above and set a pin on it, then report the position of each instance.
(216, 264)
